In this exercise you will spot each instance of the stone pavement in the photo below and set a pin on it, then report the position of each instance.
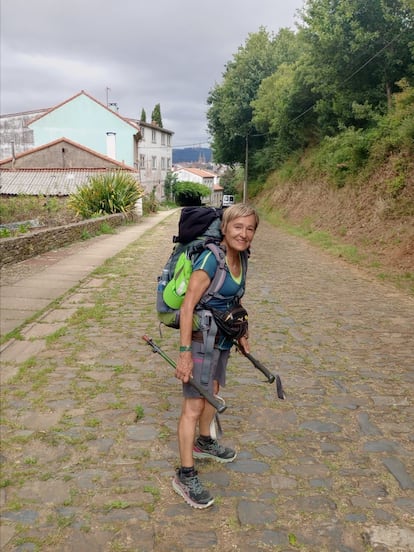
(89, 415)
(53, 273)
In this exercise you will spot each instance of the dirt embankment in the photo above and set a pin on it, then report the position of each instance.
(374, 215)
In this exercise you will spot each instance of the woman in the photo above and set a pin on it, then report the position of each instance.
(238, 228)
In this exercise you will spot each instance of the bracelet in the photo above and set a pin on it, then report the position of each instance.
(185, 348)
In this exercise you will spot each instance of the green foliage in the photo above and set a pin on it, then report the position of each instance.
(150, 204)
(170, 184)
(190, 193)
(156, 115)
(5, 233)
(143, 116)
(344, 154)
(24, 207)
(103, 195)
(232, 181)
(337, 73)
(230, 113)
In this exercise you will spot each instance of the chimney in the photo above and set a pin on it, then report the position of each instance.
(111, 144)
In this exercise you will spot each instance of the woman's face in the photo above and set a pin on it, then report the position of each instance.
(239, 233)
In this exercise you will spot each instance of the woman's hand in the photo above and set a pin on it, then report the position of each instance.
(244, 344)
(184, 366)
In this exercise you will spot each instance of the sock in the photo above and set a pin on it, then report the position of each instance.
(206, 439)
(188, 472)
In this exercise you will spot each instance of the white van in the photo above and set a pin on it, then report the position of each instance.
(228, 200)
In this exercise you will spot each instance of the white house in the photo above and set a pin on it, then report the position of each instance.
(207, 178)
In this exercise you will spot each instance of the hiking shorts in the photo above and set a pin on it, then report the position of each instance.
(217, 370)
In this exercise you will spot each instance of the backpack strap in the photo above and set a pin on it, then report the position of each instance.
(219, 276)
(208, 324)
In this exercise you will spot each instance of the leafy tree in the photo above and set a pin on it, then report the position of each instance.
(190, 193)
(357, 51)
(230, 113)
(156, 116)
(143, 116)
(170, 184)
(231, 180)
(238, 136)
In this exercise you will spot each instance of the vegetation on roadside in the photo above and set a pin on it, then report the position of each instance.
(48, 210)
(338, 72)
(107, 194)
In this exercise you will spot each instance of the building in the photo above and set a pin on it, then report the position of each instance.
(201, 176)
(90, 124)
(55, 169)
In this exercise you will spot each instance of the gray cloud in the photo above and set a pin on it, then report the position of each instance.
(146, 52)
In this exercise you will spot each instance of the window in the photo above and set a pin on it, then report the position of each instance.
(154, 162)
(143, 133)
(163, 139)
(142, 161)
(168, 140)
(163, 163)
(154, 136)
(168, 163)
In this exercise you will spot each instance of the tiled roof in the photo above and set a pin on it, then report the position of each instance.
(198, 172)
(56, 182)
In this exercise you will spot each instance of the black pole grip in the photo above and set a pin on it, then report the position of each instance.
(271, 378)
(218, 405)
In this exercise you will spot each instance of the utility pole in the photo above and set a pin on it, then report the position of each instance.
(246, 168)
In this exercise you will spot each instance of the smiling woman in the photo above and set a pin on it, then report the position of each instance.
(204, 352)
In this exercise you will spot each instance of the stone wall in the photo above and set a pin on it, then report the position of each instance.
(19, 248)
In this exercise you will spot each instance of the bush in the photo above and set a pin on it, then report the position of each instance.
(190, 193)
(105, 195)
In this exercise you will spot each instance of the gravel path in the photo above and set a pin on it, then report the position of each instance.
(89, 416)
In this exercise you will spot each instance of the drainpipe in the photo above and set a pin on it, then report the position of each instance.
(13, 152)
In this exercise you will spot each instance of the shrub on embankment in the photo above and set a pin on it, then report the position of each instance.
(358, 187)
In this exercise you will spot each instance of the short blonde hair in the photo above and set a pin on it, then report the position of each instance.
(238, 210)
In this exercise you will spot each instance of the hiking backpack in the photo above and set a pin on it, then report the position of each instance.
(199, 228)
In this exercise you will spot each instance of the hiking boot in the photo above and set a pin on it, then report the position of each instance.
(213, 450)
(191, 489)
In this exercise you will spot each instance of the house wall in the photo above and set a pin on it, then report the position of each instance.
(13, 128)
(155, 143)
(86, 122)
(60, 156)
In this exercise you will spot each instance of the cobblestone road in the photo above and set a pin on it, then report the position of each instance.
(88, 423)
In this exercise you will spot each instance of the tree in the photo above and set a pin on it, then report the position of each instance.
(357, 51)
(170, 184)
(230, 115)
(190, 193)
(156, 116)
(143, 116)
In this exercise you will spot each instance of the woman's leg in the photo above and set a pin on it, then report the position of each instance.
(192, 410)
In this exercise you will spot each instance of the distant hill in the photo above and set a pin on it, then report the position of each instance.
(189, 155)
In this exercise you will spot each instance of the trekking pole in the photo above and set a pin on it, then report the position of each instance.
(219, 405)
(270, 377)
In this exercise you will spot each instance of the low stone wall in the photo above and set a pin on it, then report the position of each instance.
(19, 248)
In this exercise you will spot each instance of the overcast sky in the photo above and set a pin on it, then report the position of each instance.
(145, 51)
